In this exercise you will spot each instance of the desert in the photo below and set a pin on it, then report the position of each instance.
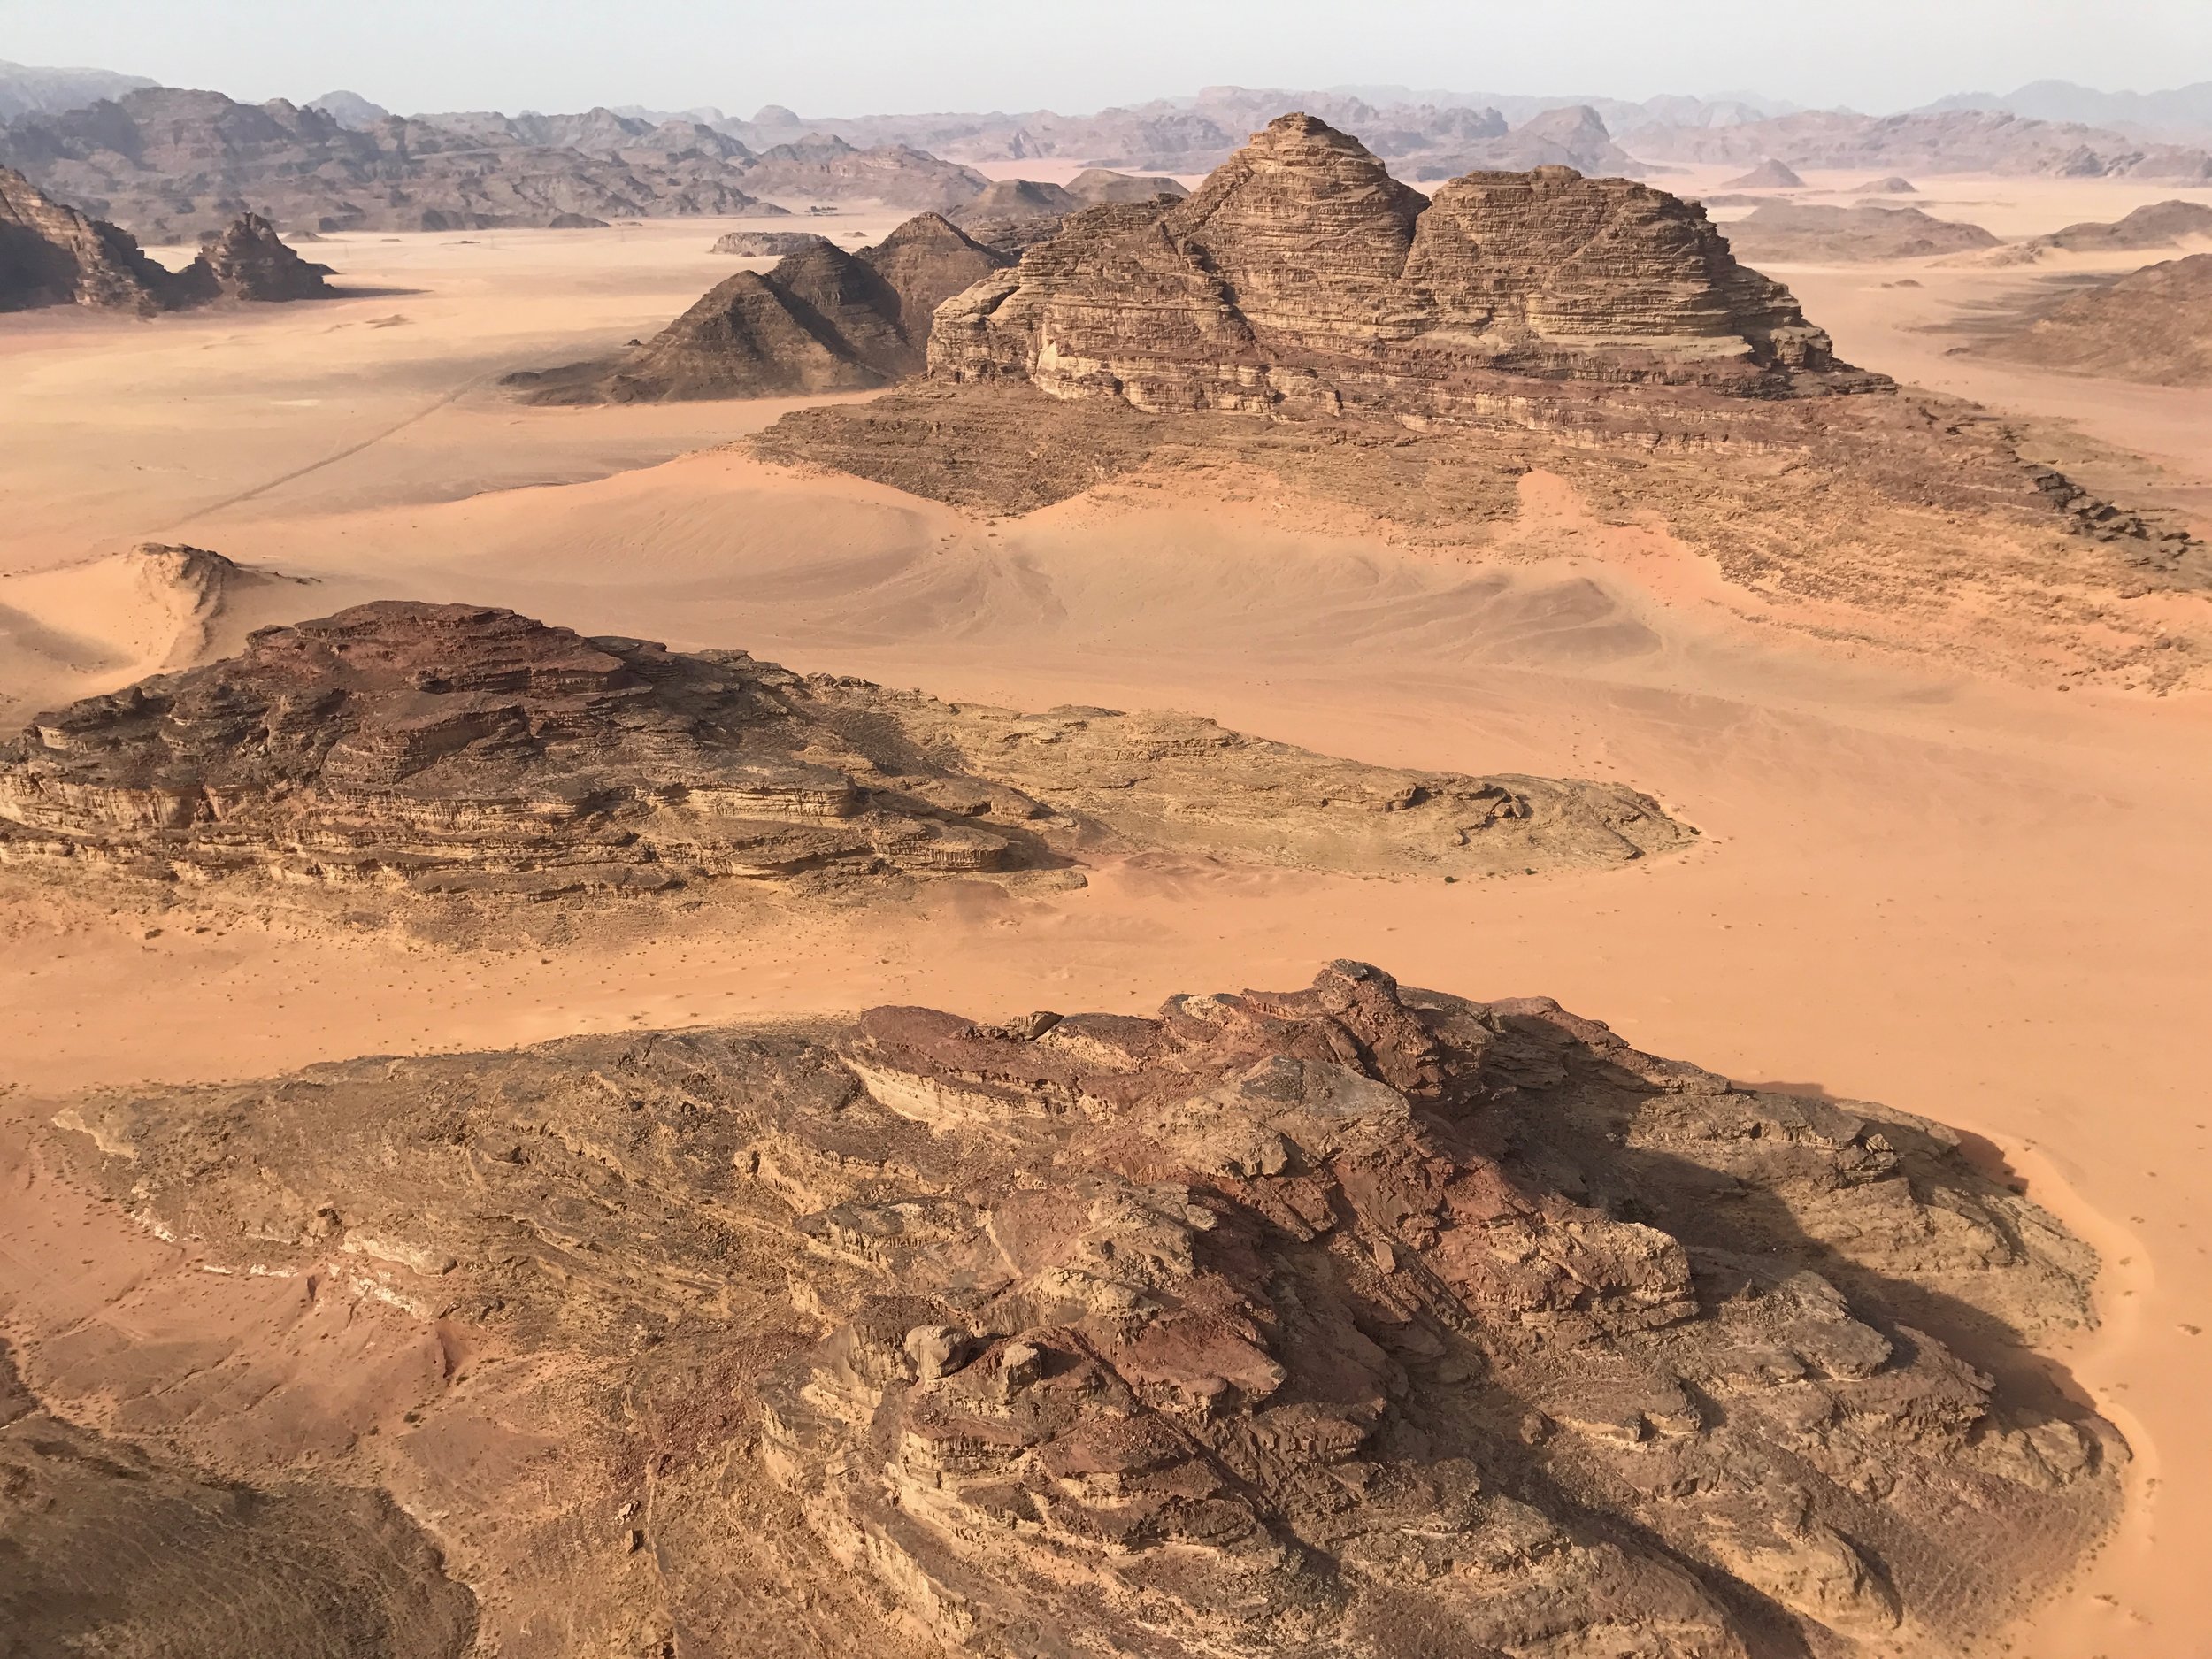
(635, 859)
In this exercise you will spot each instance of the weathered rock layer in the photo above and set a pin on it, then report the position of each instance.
(1324, 1324)
(1302, 280)
(455, 747)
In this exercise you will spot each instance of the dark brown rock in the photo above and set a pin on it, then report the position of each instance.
(459, 747)
(1350, 1320)
(823, 320)
(249, 261)
(52, 254)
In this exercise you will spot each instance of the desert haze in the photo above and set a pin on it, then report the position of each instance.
(1283, 874)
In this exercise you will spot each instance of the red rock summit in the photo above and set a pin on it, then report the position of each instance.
(1301, 280)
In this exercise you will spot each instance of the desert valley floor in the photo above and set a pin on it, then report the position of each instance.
(1977, 894)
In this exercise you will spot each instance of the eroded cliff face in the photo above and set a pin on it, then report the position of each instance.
(1340, 1322)
(463, 748)
(53, 255)
(1302, 280)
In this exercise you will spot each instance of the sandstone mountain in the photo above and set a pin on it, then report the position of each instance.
(1808, 233)
(249, 261)
(1957, 140)
(823, 320)
(2154, 325)
(52, 254)
(1302, 279)
(1015, 215)
(1890, 186)
(1768, 175)
(172, 165)
(830, 170)
(457, 748)
(1315, 1324)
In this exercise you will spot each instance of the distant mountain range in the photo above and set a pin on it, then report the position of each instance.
(170, 164)
(2182, 115)
(24, 90)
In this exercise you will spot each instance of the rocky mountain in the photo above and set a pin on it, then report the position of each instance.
(1768, 175)
(1015, 215)
(52, 254)
(455, 748)
(1956, 141)
(828, 169)
(1808, 234)
(1890, 186)
(1309, 1325)
(249, 261)
(350, 110)
(174, 165)
(823, 320)
(2154, 325)
(26, 90)
(2180, 115)
(1302, 279)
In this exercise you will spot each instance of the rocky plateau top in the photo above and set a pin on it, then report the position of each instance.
(1328, 1324)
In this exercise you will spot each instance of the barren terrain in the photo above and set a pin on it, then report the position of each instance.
(1965, 885)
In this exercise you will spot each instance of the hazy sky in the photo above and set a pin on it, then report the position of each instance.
(854, 56)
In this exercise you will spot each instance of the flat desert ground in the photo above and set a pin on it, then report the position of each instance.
(1978, 896)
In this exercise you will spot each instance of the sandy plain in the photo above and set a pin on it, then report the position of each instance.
(1979, 899)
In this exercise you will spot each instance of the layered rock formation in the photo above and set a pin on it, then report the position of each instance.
(249, 261)
(453, 748)
(765, 244)
(1313, 1325)
(174, 165)
(2152, 325)
(823, 320)
(1015, 215)
(828, 169)
(52, 254)
(1302, 280)
(1807, 232)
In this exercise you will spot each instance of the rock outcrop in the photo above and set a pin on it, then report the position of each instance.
(1768, 175)
(2152, 325)
(1890, 186)
(1097, 187)
(823, 320)
(249, 261)
(455, 747)
(1015, 215)
(1313, 1325)
(1302, 280)
(52, 254)
(2160, 225)
(1806, 232)
(765, 244)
